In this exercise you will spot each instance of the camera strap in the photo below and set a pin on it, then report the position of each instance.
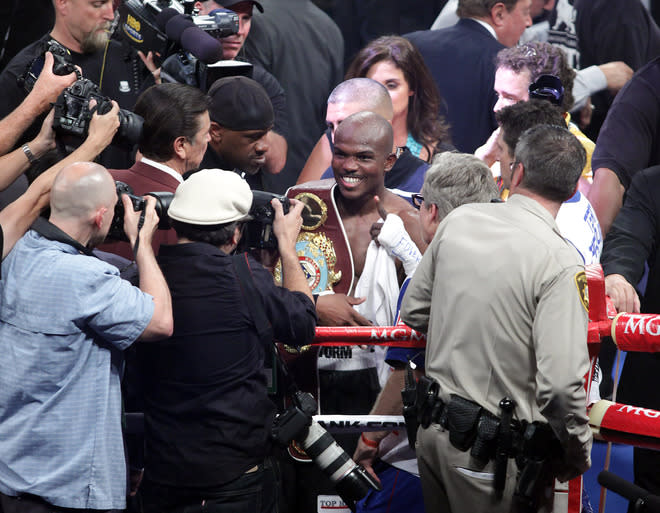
(262, 324)
(137, 239)
(51, 232)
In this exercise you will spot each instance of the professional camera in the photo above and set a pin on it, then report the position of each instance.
(72, 115)
(144, 24)
(351, 480)
(163, 200)
(186, 44)
(259, 231)
(219, 23)
(61, 66)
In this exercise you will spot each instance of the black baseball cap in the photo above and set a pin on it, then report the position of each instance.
(228, 3)
(239, 103)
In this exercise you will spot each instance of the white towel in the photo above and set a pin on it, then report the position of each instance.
(379, 284)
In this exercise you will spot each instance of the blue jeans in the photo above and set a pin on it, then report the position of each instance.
(252, 492)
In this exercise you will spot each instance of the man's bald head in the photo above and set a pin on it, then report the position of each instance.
(364, 94)
(81, 188)
(367, 128)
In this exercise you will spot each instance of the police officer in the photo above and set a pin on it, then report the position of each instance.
(502, 298)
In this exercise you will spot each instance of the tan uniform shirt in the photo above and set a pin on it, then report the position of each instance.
(501, 297)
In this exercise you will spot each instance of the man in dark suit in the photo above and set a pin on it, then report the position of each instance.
(462, 61)
(631, 243)
(174, 139)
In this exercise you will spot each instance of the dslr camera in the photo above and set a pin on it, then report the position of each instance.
(61, 66)
(163, 201)
(351, 480)
(259, 231)
(72, 115)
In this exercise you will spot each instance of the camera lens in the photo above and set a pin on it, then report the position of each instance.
(130, 128)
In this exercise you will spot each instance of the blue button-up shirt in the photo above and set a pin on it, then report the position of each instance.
(64, 319)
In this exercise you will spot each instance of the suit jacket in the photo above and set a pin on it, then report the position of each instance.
(633, 241)
(144, 178)
(462, 61)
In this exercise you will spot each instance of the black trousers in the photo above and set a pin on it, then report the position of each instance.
(252, 492)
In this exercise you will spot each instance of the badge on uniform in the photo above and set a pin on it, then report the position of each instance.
(583, 290)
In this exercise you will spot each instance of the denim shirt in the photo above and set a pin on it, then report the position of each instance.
(64, 320)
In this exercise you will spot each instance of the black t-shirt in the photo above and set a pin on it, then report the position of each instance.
(303, 48)
(629, 140)
(212, 160)
(277, 98)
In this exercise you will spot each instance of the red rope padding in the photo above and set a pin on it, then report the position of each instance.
(631, 332)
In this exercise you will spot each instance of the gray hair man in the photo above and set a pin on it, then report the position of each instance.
(514, 290)
(453, 179)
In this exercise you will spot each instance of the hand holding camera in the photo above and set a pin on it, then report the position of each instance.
(141, 222)
(52, 79)
(287, 226)
(103, 127)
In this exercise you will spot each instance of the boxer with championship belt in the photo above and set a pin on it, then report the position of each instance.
(333, 249)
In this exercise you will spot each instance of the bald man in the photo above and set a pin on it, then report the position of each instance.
(361, 160)
(357, 95)
(349, 378)
(66, 318)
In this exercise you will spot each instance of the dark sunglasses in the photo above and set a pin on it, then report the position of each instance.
(417, 200)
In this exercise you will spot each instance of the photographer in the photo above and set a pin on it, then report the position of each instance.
(66, 318)
(231, 48)
(82, 28)
(16, 218)
(44, 93)
(205, 388)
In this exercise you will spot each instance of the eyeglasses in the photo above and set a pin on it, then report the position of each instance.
(417, 200)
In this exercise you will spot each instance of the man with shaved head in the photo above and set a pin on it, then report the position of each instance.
(366, 292)
(66, 317)
(357, 95)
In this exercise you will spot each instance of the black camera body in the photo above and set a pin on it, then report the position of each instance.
(72, 115)
(163, 201)
(259, 231)
(62, 64)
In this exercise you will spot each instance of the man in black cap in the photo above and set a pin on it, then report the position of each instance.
(241, 117)
(232, 46)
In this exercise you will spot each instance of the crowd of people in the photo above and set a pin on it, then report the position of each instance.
(168, 250)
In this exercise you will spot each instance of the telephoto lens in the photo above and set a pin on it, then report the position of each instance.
(351, 480)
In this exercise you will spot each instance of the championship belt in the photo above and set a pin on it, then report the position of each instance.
(326, 259)
(322, 245)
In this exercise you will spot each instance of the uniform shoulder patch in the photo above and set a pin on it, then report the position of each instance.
(583, 290)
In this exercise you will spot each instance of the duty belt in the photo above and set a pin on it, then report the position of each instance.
(490, 437)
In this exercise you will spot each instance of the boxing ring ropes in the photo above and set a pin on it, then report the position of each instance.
(609, 421)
